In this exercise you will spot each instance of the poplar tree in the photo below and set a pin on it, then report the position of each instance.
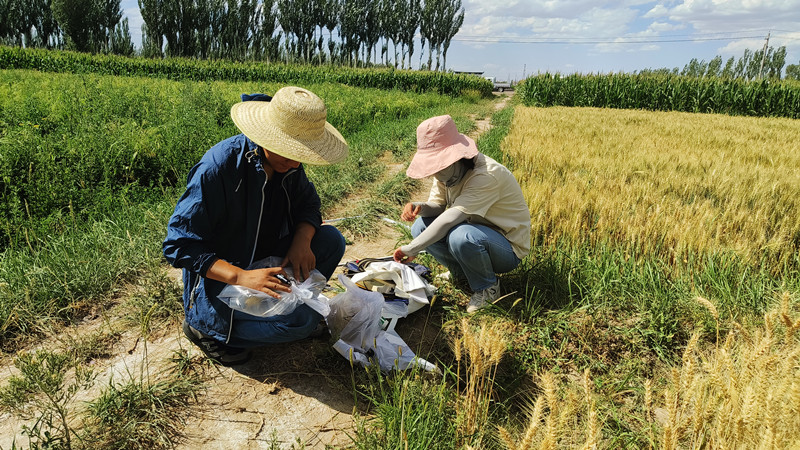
(266, 41)
(399, 10)
(10, 18)
(776, 63)
(440, 20)
(740, 71)
(289, 19)
(235, 37)
(714, 67)
(208, 27)
(370, 27)
(108, 16)
(351, 13)
(121, 42)
(727, 72)
(793, 71)
(452, 20)
(409, 23)
(152, 12)
(331, 10)
(35, 23)
(427, 28)
(80, 21)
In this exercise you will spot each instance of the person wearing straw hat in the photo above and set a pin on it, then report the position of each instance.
(247, 199)
(476, 221)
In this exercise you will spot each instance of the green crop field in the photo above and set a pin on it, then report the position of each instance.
(658, 309)
(91, 165)
(761, 98)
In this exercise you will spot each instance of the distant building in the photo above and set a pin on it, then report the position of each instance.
(460, 72)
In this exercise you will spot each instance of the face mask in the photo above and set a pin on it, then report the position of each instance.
(451, 174)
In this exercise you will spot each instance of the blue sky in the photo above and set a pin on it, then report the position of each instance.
(515, 38)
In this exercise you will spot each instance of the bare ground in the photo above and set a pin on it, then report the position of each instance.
(285, 397)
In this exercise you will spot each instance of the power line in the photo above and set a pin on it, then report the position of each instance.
(595, 41)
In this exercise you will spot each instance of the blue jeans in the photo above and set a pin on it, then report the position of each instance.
(472, 252)
(252, 331)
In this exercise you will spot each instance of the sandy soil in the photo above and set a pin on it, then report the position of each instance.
(284, 396)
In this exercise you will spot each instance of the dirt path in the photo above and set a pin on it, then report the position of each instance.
(283, 398)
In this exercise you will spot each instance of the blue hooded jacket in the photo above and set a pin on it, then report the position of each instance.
(221, 216)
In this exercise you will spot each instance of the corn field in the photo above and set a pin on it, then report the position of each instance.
(763, 98)
(203, 70)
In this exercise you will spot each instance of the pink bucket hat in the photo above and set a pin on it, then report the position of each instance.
(439, 144)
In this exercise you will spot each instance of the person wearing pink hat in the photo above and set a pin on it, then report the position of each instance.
(476, 221)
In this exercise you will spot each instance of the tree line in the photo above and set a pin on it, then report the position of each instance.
(355, 33)
(752, 65)
(94, 26)
(346, 32)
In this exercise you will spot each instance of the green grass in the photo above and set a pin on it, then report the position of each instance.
(408, 410)
(141, 413)
(91, 167)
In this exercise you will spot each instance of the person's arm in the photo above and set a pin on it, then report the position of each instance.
(305, 213)
(434, 232)
(192, 226)
(300, 255)
(263, 280)
(424, 209)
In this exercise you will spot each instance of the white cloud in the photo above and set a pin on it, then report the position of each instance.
(661, 27)
(547, 20)
(736, 15)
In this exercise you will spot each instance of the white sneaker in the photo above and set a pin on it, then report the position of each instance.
(482, 298)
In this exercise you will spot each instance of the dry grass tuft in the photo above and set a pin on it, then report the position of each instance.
(742, 395)
(556, 414)
(478, 350)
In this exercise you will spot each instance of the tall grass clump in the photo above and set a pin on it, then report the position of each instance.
(144, 412)
(478, 351)
(560, 417)
(410, 410)
(454, 410)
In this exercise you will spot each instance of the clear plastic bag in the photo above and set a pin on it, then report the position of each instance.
(260, 304)
(355, 324)
(355, 316)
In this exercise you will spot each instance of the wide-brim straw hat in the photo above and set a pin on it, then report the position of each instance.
(439, 144)
(293, 125)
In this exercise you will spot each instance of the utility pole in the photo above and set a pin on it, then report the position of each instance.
(763, 57)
